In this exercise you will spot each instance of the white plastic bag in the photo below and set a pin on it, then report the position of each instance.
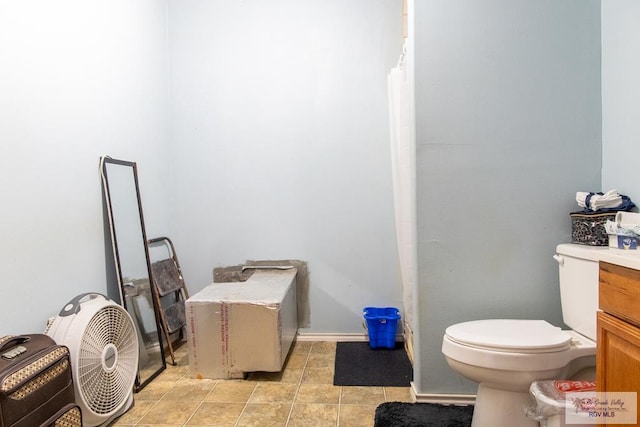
(549, 397)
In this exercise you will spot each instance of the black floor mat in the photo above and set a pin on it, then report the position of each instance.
(396, 414)
(357, 364)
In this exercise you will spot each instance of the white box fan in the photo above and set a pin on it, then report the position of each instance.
(103, 346)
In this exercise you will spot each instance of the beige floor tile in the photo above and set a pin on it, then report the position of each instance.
(296, 360)
(231, 392)
(170, 412)
(190, 390)
(265, 415)
(266, 392)
(321, 360)
(213, 414)
(159, 425)
(182, 360)
(155, 390)
(302, 394)
(356, 415)
(323, 347)
(398, 394)
(318, 393)
(292, 375)
(362, 395)
(313, 415)
(135, 414)
(174, 373)
(301, 347)
(318, 375)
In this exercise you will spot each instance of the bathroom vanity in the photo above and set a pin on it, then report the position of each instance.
(618, 343)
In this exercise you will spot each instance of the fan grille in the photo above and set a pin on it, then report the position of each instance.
(105, 386)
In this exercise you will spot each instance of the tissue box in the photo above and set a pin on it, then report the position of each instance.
(588, 228)
(240, 327)
(622, 242)
(621, 236)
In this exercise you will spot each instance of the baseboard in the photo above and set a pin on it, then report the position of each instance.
(444, 399)
(332, 337)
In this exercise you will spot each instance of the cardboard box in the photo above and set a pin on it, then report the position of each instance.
(240, 327)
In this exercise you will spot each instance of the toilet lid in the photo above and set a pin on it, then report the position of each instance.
(528, 336)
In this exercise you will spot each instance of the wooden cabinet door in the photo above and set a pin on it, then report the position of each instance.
(618, 357)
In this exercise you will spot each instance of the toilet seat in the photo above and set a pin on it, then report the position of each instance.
(510, 335)
(537, 345)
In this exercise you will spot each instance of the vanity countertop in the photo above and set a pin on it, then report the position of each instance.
(622, 257)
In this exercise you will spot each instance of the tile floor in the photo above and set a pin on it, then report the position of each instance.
(302, 394)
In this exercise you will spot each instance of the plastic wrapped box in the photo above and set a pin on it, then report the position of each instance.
(240, 327)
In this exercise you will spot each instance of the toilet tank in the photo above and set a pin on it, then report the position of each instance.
(578, 269)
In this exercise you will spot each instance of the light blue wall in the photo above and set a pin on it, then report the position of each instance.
(621, 96)
(78, 80)
(508, 129)
(273, 144)
(280, 145)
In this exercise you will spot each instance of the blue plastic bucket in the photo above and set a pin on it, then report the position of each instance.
(382, 325)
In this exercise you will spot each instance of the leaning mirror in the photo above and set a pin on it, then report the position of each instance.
(131, 259)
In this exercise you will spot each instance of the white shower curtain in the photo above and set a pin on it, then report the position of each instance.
(403, 160)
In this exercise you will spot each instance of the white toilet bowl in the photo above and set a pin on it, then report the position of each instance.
(504, 356)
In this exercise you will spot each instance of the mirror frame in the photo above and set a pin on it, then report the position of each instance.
(140, 382)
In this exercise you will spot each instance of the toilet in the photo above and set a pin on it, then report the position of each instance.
(504, 356)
